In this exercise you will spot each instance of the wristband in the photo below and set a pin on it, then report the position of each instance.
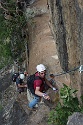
(54, 89)
(44, 95)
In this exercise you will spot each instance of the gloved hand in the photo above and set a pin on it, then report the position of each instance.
(45, 96)
(54, 89)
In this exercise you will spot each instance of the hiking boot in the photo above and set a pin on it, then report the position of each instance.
(35, 108)
(32, 109)
(36, 105)
(29, 108)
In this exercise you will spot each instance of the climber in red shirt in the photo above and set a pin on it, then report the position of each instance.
(39, 86)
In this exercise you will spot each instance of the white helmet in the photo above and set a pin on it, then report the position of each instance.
(22, 76)
(40, 68)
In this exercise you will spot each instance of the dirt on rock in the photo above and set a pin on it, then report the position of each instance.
(42, 46)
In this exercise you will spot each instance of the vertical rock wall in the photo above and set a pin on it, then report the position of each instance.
(67, 22)
(42, 48)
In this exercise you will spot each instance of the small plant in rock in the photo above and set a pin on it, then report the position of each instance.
(1, 107)
(69, 104)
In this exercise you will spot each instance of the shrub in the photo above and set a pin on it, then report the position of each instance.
(70, 104)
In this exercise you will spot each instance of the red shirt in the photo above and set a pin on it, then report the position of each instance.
(39, 83)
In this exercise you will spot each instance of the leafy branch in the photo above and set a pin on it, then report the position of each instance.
(12, 28)
(69, 105)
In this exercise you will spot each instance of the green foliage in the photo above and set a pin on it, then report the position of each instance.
(1, 107)
(12, 24)
(69, 104)
(5, 54)
(5, 50)
(82, 98)
(5, 29)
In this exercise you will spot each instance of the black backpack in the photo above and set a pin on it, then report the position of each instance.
(14, 77)
(30, 82)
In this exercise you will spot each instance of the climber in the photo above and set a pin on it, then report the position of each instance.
(20, 84)
(39, 86)
(52, 81)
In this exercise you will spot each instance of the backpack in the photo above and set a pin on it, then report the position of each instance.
(30, 82)
(14, 77)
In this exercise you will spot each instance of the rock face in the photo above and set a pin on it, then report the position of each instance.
(14, 115)
(42, 47)
(55, 39)
(75, 119)
(5, 82)
(67, 23)
(15, 110)
(5, 78)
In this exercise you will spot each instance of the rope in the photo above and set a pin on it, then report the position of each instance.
(61, 73)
